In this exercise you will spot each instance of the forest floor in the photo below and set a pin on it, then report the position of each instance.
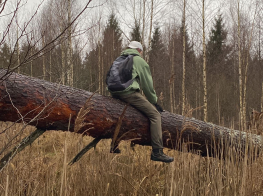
(42, 169)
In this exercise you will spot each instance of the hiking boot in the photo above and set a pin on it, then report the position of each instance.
(115, 150)
(158, 155)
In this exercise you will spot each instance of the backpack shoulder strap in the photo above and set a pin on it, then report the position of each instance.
(133, 54)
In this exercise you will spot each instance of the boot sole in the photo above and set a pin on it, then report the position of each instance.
(165, 161)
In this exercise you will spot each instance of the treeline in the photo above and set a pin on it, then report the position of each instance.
(165, 57)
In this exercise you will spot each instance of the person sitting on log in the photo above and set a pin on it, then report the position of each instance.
(129, 92)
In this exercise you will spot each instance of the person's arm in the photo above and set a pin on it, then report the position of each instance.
(146, 81)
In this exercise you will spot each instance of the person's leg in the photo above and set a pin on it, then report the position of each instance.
(143, 105)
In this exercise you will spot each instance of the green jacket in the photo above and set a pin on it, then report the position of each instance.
(142, 78)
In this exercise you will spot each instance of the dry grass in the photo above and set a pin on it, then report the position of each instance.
(42, 170)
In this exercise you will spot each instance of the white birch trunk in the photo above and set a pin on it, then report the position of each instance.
(102, 71)
(143, 22)
(204, 65)
(261, 97)
(50, 66)
(184, 46)
(171, 82)
(244, 102)
(99, 64)
(240, 73)
(150, 34)
(63, 74)
(43, 59)
(69, 48)
(18, 50)
(171, 98)
(246, 75)
(31, 63)
(63, 67)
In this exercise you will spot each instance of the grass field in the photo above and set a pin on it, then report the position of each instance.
(42, 170)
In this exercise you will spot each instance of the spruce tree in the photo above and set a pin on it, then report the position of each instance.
(98, 61)
(221, 84)
(89, 77)
(112, 36)
(136, 32)
(5, 55)
(217, 44)
(111, 47)
(160, 68)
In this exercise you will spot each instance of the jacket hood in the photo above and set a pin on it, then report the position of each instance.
(130, 51)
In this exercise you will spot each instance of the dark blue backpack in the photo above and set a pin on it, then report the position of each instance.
(119, 77)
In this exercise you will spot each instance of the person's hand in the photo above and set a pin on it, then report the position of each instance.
(159, 108)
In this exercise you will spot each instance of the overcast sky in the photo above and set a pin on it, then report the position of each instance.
(170, 13)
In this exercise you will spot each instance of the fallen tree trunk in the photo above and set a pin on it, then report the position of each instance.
(50, 106)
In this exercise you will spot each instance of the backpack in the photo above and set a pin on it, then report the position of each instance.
(119, 77)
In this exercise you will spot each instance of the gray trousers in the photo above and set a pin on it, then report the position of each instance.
(142, 104)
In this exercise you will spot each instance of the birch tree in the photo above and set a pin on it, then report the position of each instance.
(69, 46)
(25, 33)
(204, 61)
(250, 42)
(244, 21)
(220, 73)
(204, 13)
(145, 13)
(150, 31)
(184, 47)
(240, 67)
(17, 45)
(172, 77)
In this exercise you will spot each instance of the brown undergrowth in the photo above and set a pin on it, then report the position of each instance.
(42, 170)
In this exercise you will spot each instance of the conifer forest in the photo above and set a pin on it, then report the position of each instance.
(205, 60)
(205, 57)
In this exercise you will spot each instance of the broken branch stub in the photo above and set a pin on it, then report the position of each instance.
(21, 146)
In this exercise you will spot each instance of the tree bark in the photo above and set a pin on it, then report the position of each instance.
(240, 73)
(50, 106)
(184, 57)
(204, 64)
